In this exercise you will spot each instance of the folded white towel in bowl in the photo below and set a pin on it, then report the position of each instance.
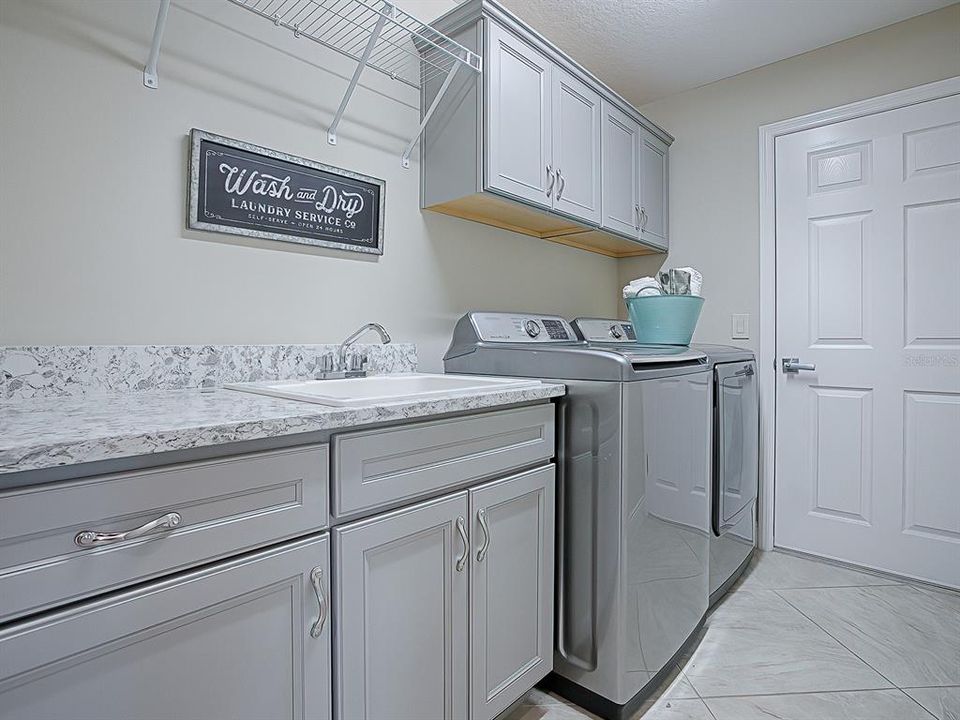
(641, 287)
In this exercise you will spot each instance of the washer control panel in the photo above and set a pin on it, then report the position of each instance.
(514, 328)
(597, 330)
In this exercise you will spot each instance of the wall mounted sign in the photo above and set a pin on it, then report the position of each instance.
(244, 189)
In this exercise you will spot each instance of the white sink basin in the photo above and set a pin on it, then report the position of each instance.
(407, 387)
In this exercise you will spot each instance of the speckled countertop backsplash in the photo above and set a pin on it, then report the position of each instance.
(50, 371)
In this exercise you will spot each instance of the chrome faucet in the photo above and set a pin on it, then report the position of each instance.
(342, 350)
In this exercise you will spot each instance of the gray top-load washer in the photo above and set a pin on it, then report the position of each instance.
(634, 458)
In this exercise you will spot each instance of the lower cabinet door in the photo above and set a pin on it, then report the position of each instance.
(245, 638)
(401, 607)
(511, 589)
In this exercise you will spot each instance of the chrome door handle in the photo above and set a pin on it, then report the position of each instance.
(561, 185)
(461, 528)
(746, 370)
(550, 178)
(793, 365)
(482, 519)
(90, 538)
(316, 577)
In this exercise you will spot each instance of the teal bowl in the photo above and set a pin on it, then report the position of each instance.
(664, 319)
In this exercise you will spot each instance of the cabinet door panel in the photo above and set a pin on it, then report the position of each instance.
(401, 607)
(653, 189)
(511, 589)
(230, 641)
(620, 189)
(576, 147)
(518, 117)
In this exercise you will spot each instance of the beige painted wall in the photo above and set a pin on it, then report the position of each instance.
(92, 241)
(714, 179)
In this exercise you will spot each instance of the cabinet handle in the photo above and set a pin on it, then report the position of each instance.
(482, 519)
(316, 577)
(88, 538)
(643, 219)
(462, 529)
(550, 178)
(561, 182)
(639, 216)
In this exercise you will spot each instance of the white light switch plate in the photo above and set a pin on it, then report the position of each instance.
(740, 326)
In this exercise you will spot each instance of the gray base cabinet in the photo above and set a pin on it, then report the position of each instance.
(413, 585)
(246, 638)
(511, 589)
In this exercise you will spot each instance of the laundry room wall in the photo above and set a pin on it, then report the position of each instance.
(93, 245)
(714, 176)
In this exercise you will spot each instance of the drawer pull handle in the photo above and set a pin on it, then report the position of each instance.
(89, 538)
(461, 528)
(316, 577)
(482, 518)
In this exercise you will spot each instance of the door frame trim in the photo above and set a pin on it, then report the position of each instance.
(766, 359)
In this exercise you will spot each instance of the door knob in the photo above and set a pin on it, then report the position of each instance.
(793, 365)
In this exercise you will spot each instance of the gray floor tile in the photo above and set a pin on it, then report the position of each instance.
(548, 711)
(911, 637)
(755, 607)
(943, 703)
(759, 660)
(860, 705)
(676, 709)
(777, 570)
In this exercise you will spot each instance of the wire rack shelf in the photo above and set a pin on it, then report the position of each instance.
(373, 33)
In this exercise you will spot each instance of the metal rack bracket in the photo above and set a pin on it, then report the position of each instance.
(405, 157)
(364, 59)
(150, 78)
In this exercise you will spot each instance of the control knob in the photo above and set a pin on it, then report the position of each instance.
(532, 328)
(615, 332)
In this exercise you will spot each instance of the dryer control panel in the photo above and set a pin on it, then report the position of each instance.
(599, 330)
(515, 328)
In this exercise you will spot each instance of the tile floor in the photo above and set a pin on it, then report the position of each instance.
(798, 639)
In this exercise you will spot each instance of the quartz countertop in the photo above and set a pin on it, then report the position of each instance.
(44, 433)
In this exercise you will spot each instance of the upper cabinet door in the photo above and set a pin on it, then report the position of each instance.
(511, 589)
(576, 147)
(517, 118)
(653, 189)
(401, 606)
(620, 141)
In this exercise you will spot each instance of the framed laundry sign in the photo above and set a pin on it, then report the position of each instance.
(245, 189)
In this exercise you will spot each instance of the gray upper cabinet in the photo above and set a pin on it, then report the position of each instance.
(401, 606)
(518, 118)
(653, 191)
(621, 171)
(511, 589)
(247, 638)
(576, 148)
(538, 145)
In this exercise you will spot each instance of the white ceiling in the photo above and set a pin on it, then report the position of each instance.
(647, 49)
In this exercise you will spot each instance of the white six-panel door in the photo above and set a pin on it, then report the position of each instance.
(868, 291)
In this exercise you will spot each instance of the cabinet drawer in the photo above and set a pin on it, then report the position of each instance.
(379, 468)
(226, 506)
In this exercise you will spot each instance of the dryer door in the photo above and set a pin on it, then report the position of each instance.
(737, 428)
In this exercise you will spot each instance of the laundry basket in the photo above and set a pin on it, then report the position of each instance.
(664, 319)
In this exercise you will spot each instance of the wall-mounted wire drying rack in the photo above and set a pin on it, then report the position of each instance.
(374, 33)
